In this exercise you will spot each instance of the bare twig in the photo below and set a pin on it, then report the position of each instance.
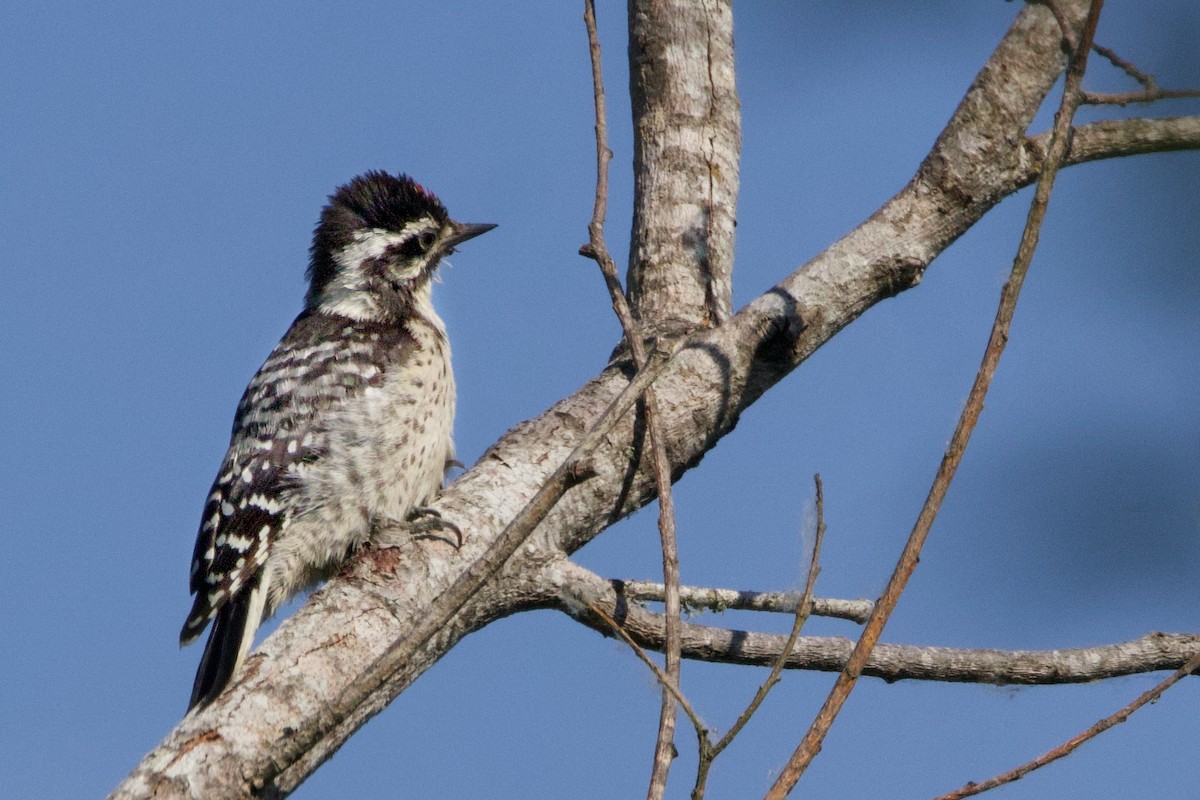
(1069, 746)
(803, 610)
(1060, 140)
(662, 677)
(596, 248)
(715, 599)
(1143, 96)
(1149, 93)
(709, 753)
(1144, 78)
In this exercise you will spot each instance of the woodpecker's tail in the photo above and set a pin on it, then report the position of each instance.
(232, 633)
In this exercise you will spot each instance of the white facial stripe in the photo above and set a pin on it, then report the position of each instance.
(370, 244)
(373, 243)
(347, 292)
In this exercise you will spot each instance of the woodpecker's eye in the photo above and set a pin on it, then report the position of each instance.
(418, 245)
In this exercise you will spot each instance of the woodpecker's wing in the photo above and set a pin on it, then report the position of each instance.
(320, 363)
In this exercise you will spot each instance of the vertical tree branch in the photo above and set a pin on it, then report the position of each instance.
(687, 142)
(1060, 142)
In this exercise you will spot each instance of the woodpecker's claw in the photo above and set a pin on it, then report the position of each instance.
(427, 523)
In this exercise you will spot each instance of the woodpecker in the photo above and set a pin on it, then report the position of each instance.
(346, 425)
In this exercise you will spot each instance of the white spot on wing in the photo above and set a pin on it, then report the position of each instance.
(266, 504)
(240, 543)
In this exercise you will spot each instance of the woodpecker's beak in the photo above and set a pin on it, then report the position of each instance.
(462, 231)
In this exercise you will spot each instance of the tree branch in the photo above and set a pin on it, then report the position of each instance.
(568, 585)
(1149, 93)
(687, 144)
(1115, 138)
(741, 600)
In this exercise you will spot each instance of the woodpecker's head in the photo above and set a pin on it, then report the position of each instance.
(377, 245)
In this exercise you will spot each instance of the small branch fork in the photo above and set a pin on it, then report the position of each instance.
(596, 249)
(1057, 150)
(1150, 91)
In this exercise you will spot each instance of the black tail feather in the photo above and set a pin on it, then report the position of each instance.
(220, 657)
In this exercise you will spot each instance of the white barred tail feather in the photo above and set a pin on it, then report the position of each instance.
(230, 639)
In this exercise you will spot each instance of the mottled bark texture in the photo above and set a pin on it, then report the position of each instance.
(687, 144)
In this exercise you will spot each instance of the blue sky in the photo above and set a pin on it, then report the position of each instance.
(160, 172)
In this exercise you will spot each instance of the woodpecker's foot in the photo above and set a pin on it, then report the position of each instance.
(428, 523)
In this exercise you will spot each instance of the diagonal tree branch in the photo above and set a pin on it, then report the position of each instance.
(1056, 151)
(1072, 744)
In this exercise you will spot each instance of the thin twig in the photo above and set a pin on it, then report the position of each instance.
(596, 248)
(709, 753)
(1149, 93)
(1142, 96)
(810, 744)
(715, 599)
(1144, 78)
(662, 677)
(1069, 746)
(803, 610)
